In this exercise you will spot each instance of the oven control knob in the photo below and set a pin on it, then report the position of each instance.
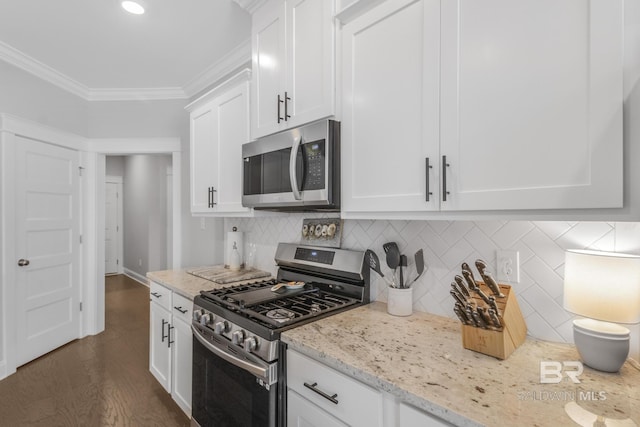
(206, 319)
(250, 344)
(237, 337)
(196, 315)
(221, 327)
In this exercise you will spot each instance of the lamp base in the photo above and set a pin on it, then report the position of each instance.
(603, 346)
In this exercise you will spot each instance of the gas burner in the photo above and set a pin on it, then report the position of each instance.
(280, 314)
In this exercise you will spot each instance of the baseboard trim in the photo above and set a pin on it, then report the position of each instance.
(136, 276)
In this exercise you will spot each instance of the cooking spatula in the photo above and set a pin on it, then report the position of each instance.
(374, 263)
(393, 257)
(419, 259)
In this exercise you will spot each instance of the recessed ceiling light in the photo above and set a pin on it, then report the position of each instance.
(135, 7)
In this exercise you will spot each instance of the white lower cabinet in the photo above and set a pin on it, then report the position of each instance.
(302, 413)
(319, 396)
(170, 343)
(332, 396)
(408, 416)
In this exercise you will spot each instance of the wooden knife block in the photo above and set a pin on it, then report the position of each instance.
(499, 344)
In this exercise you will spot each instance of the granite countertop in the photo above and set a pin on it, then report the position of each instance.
(187, 284)
(420, 360)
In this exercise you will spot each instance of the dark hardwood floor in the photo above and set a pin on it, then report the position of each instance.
(101, 380)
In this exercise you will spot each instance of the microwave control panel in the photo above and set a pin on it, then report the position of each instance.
(314, 154)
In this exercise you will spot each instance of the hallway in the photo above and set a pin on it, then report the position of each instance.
(101, 380)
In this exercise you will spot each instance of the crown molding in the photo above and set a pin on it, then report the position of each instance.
(228, 63)
(136, 94)
(15, 57)
(250, 5)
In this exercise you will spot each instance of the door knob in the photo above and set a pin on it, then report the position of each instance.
(23, 262)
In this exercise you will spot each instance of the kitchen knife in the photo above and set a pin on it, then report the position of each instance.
(458, 311)
(469, 314)
(461, 286)
(456, 296)
(468, 276)
(482, 311)
(494, 318)
(482, 295)
(488, 278)
(494, 306)
(479, 320)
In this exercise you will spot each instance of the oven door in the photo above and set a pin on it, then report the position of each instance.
(229, 389)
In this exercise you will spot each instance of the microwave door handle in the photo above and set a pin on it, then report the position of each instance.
(292, 167)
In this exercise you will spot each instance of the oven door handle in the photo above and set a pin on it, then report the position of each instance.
(292, 167)
(266, 374)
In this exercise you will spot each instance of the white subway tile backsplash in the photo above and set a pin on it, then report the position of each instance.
(553, 229)
(544, 276)
(547, 249)
(510, 233)
(447, 244)
(583, 235)
(545, 306)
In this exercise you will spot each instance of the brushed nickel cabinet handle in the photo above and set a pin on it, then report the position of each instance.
(426, 173)
(313, 388)
(445, 165)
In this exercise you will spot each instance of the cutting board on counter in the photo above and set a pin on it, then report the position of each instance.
(221, 275)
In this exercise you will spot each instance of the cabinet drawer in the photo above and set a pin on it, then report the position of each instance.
(181, 307)
(160, 295)
(354, 403)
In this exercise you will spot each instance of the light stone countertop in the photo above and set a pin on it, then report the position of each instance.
(420, 360)
(187, 284)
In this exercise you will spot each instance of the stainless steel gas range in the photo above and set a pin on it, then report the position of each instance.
(239, 362)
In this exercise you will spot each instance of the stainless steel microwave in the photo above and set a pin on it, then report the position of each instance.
(298, 169)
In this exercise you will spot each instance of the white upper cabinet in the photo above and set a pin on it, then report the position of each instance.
(219, 127)
(390, 61)
(293, 45)
(516, 105)
(532, 103)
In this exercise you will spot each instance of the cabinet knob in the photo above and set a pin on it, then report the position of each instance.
(23, 262)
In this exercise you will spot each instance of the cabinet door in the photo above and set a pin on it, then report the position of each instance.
(268, 68)
(391, 108)
(409, 416)
(159, 351)
(181, 354)
(232, 127)
(302, 413)
(204, 152)
(310, 71)
(532, 103)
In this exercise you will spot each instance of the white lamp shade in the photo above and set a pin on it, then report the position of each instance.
(602, 285)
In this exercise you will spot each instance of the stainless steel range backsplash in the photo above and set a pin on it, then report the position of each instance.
(447, 244)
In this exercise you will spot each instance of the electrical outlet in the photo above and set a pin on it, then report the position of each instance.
(140, 262)
(203, 223)
(508, 266)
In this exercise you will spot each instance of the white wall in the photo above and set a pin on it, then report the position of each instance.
(115, 166)
(145, 213)
(28, 97)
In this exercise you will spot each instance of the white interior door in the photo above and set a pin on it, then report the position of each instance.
(47, 243)
(113, 227)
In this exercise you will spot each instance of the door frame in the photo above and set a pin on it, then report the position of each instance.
(120, 216)
(95, 159)
(10, 127)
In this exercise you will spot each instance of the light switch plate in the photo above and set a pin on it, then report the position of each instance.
(508, 266)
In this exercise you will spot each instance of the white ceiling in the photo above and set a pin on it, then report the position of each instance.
(97, 50)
